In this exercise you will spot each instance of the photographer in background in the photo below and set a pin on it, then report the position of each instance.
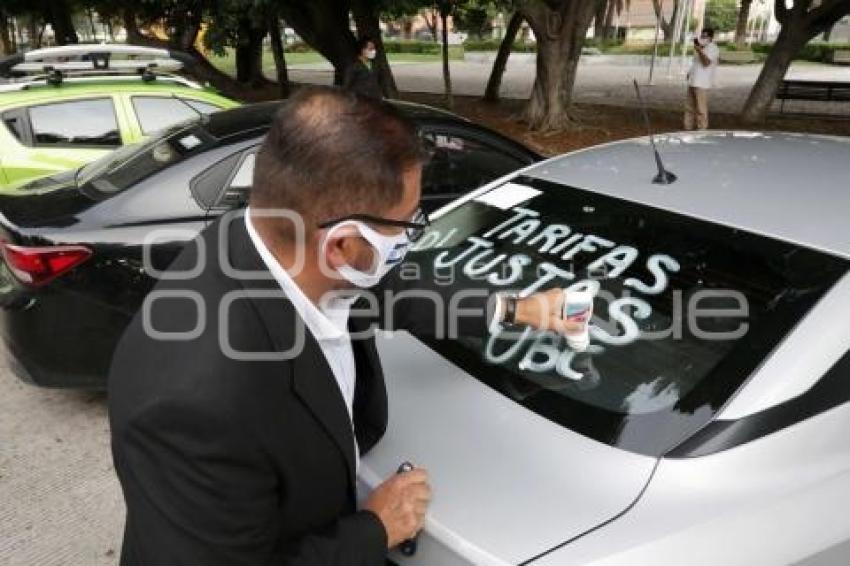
(700, 80)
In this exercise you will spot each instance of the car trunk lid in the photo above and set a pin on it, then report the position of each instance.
(508, 484)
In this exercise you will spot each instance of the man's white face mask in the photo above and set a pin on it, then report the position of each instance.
(388, 251)
(370, 54)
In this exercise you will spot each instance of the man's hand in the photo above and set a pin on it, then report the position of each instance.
(544, 311)
(400, 503)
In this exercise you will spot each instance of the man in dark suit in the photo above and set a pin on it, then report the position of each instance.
(243, 393)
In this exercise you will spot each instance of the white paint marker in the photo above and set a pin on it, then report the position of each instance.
(578, 307)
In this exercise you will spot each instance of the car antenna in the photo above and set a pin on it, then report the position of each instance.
(664, 177)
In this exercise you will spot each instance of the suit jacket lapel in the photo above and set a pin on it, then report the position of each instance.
(370, 393)
(316, 386)
(313, 379)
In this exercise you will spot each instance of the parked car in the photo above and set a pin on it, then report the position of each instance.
(705, 425)
(52, 123)
(72, 276)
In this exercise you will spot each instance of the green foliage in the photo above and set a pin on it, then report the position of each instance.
(722, 15)
(423, 48)
(474, 16)
(474, 20)
(493, 45)
(298, 47)
(396, 9)
(224, 17)
(815, 51)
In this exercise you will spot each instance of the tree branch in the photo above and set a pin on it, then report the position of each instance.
(824, 16)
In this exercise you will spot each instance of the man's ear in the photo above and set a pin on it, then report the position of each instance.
(334, 251)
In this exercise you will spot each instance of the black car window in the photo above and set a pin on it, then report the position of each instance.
(83, 123)
(243, 178)
(124, 168)
(158, 112)
(226, 184)
(458, 163)
(15, 123)
(685, 311)
(238, 186)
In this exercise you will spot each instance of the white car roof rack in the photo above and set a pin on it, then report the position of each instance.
(83, 49)
(55, 64)
(40, 80)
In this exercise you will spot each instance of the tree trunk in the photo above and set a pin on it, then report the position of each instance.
(324, 26)
(789, 42)
(277, 52)
(431, 23)
(131, 27)
(366, 18)
(800, 23)
(741, 27)
(828, 33)
(33, 32)
(610, 32)
(491, 93)
(667, 26)
(447, 78)
(6, 40)
(599, 20)
(90, 15)
(19, 30)
(58, 15)
(249, 52)
(560, 35)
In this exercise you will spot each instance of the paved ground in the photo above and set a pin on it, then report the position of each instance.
(600, 80)
(60, 504)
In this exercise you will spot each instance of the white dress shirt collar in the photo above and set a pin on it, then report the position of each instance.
(326, 322)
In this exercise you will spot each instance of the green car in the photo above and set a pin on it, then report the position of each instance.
(46, 129)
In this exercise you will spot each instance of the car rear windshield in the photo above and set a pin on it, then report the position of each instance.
(131, 164)
(685, 309)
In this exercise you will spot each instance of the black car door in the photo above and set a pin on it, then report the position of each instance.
(464, 157)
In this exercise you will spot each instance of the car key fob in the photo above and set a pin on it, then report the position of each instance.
(408, 547)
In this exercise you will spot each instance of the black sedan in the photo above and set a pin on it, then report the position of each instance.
(74, 245)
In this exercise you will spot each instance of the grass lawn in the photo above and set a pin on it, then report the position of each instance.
(227, 63)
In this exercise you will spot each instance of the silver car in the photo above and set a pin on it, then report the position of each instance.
(708, 421)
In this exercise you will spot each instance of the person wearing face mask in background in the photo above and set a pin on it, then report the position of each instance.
(701, 80)
(360, 78)
(241, 399)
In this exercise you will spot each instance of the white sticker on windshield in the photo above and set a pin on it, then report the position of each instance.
(508, 195)
(189, 142)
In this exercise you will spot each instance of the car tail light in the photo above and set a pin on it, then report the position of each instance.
(39, 265)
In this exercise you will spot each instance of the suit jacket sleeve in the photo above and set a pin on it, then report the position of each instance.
(203, 494)
(422, 302)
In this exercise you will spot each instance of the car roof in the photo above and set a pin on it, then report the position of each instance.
(70, 90)
(254, 116)
(787, 186)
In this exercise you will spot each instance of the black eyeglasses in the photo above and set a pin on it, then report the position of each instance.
(414, 228)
